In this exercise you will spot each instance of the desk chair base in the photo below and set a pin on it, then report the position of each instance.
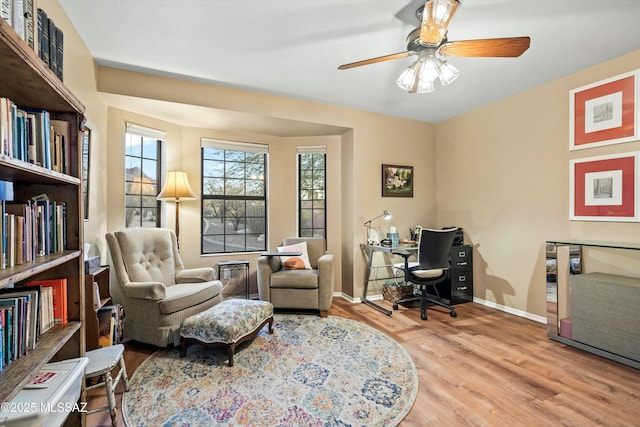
(424, 299)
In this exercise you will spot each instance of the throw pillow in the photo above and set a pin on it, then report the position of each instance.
(295, 262)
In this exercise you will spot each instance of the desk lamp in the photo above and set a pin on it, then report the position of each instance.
(367, 224)
(176, 188)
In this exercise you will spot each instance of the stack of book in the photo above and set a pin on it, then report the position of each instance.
(28, 311)
(31, 135)
(31, 229)
(37, 29)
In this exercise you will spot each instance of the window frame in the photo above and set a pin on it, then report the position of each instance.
(145, 134)
(234, 147)
(311, 150)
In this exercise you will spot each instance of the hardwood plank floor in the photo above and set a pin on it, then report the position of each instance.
(482, 368)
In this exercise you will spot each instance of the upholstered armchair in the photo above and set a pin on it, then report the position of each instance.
(289, 285)
(156, 291)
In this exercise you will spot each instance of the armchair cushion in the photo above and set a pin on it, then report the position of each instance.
(297, 279)
(187, 295)
(295, 262)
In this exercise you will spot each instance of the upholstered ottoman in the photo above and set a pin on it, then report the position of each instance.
(226, 325)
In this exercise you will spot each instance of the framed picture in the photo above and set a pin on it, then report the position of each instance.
(605, 112)
(397, 181)
(604, 188)
(86, 163)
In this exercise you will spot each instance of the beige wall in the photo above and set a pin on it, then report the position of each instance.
(501, 171)
(80, 78)
(503, 174)
(354, 165)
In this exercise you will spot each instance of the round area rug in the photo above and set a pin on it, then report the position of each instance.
(310, 372)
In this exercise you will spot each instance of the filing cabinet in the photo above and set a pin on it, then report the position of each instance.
(458, 289)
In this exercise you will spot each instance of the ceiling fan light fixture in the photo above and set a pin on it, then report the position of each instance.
(447, 73)
(425, 86)
(436, 16)
(429, 70)
(407, 79)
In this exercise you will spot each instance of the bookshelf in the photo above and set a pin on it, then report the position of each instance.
(28, 81)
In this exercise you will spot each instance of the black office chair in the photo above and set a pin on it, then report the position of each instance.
(432, 268)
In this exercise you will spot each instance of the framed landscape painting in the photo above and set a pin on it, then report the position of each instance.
(397, 181)
(604, 188)
(605, 112)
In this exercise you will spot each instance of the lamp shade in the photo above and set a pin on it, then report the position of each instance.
(435, 20)
(176, 187)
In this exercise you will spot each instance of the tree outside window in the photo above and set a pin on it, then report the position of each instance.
(233, 200)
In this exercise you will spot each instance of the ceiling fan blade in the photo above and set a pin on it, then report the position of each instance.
(503, 47)
(375, 60)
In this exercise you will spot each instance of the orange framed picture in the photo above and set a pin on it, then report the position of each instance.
(605, 112)
(603, 188)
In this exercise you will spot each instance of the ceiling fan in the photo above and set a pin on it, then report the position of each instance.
(431, 39)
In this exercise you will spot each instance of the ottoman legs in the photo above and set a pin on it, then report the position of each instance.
(231, 347)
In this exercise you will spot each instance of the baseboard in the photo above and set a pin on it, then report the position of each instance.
(491, 304)
(511, 310)
(355, 300)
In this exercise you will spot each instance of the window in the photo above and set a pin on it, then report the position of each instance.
(142, 176)
(234, 196)
(312, 206)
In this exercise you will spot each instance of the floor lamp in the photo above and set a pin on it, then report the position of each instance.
(176, 188)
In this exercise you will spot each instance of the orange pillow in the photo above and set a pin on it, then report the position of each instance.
(295, 262)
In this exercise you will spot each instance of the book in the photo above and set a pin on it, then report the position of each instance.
(106, 326)
(12, 321)
(59, 52)
(6, 11)
(59, 297)
(30, 18)
(61, 130)
(32, 314)
(18, 17)
(46, 309)
(46, 377)
(43, 36)
(7, 336)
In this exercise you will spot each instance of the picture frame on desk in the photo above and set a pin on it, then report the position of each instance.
(397, 181)
(603, 188)
(605, 112)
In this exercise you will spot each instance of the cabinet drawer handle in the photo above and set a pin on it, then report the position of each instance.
(461, 263)
(462, 288)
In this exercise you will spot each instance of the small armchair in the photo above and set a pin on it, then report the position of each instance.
(156, 291)
(300, 288)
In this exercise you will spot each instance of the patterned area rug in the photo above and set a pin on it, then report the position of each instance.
(310, 372)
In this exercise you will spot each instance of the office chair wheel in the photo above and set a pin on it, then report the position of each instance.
(423, 316)
(453, 313)
(395, 306)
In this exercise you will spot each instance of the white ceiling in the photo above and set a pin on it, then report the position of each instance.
(292, 48)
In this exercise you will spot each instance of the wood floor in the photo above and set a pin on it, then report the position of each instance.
(482, 368)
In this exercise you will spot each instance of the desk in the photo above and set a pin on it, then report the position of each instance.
(368, 251)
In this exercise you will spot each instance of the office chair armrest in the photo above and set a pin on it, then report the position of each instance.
(403, 254)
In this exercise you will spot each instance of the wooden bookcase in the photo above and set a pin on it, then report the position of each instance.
(27, 81)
